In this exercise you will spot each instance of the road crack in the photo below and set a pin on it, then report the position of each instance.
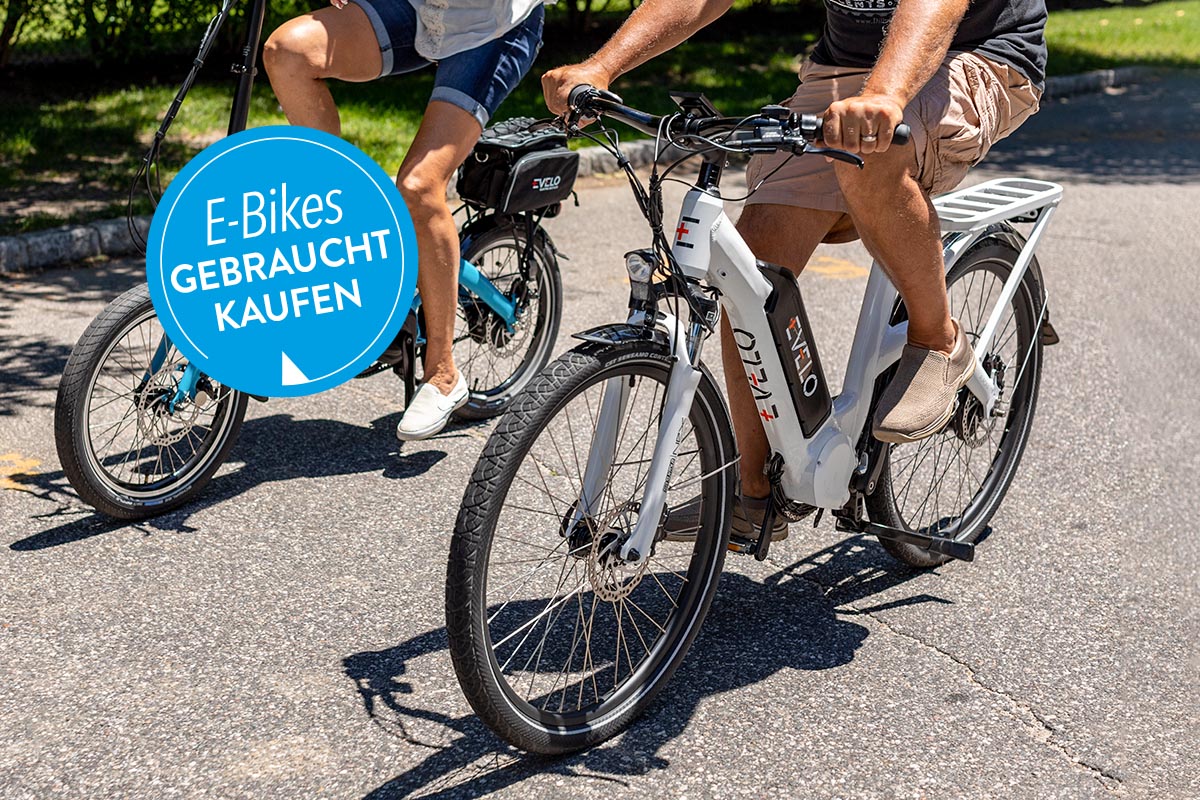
(1034, 723)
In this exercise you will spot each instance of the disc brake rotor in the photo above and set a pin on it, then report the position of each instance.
(613, 578)
(157, 423)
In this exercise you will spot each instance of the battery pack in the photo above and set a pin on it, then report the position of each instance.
(794, 343)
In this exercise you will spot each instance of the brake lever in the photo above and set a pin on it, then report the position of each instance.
(829, 152)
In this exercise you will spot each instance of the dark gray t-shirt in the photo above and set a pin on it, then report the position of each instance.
(1008, 31)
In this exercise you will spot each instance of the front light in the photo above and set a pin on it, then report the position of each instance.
(640, 264)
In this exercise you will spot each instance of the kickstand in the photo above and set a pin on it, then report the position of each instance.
(764, 536)
(410, 356)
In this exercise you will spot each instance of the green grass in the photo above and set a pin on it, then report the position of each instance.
(93, 137)
(1161, 35)
(67, 134)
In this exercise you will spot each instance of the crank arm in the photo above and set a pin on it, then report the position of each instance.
(963, 551)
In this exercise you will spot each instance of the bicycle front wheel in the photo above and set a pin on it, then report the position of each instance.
(557, 644)
(127, 444)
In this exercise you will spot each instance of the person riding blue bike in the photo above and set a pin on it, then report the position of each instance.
(481, 50)
(962, 74)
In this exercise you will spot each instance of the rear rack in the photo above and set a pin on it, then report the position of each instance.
(1016, 199)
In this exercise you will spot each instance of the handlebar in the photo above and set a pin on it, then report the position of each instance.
(772, 129)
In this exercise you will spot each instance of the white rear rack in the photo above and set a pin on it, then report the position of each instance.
(995, 201)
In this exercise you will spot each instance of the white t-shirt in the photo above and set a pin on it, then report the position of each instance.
(446, 27)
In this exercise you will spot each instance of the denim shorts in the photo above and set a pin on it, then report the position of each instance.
(476, 80)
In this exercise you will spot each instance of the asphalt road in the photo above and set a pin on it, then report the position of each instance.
(283, 636)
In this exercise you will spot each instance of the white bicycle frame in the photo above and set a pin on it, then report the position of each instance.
(817, 470)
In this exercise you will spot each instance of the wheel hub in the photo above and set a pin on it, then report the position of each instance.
(612, 577)
(156, 421)
(970, 422)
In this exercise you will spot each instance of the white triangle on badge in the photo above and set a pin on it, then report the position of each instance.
(292, 376)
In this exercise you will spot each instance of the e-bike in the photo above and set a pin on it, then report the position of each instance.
(570, 601)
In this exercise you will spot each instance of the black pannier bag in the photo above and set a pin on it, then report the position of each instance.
(515, 168)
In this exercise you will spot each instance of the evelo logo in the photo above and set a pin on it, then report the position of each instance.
(747, 342)
(281, 261)
(546, 184)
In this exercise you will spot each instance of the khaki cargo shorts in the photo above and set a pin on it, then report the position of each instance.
(968, 105)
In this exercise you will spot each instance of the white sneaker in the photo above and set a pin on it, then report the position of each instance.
(430, 410)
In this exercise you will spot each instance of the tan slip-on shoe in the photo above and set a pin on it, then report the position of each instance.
(920, 400)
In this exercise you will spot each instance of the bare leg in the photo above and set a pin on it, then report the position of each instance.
(303, 52)
(900, 228)
(444, 140)
(340, 43)
(786, 236)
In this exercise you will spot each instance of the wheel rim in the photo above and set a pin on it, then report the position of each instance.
(942, 485)
(492, 359)
(138, 447)
(570, 640)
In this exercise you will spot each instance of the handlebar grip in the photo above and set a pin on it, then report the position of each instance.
(901, 136)
(577, 94)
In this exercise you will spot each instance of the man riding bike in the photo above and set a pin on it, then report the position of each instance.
(481, 49)
(962, 74)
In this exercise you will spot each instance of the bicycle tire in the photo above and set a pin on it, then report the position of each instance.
(96, 484)
(473, 649)
(489, 397)
(996, 258)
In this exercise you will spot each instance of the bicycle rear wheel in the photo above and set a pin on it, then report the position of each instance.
(495, 361)
(558, 645)
(952, 483)
(126, 446)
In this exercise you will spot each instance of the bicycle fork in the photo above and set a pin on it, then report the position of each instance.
(681, 390)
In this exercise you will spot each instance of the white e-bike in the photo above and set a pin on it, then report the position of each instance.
(569, 606)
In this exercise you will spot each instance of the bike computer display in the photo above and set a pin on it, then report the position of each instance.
(695, 104)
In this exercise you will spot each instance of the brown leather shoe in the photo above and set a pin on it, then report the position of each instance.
(683, 522)
(920, 400)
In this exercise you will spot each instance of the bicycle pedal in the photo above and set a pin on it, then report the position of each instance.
(744, 547)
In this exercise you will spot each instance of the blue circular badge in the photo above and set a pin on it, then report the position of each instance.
(282, 261)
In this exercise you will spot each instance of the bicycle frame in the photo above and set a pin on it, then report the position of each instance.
(816, 470)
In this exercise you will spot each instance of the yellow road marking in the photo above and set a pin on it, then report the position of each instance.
(14, 465)
(837, 268)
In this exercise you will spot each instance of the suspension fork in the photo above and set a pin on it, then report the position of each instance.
(681, 389)
(604, 445)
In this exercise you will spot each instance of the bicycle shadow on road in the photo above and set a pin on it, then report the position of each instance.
(269, 450)
(797, 612)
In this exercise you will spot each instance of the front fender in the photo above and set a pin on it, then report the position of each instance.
(624, 333)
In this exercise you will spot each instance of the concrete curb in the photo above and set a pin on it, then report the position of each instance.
(29, 252)
(1095, 81)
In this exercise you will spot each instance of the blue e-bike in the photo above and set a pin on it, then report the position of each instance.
(140, 431)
